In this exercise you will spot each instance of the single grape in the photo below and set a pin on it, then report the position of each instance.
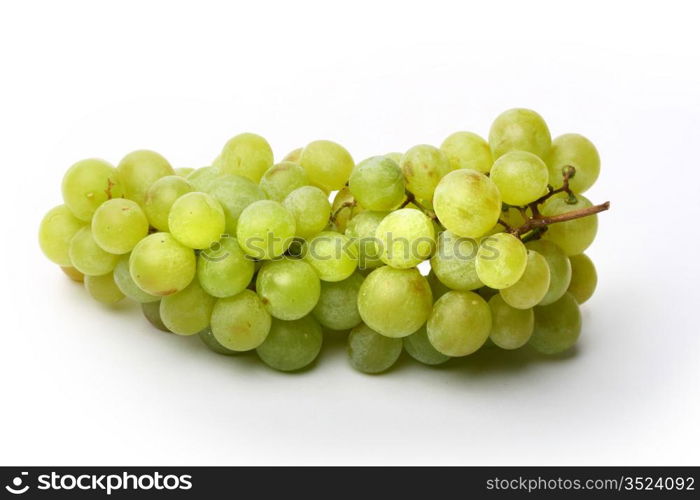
(204, 179)
(559, 269)
(519, 130)
(327, 164)
(224, 269)
(151, 311)
(56, 231)
(291, 345)
(234, 193)
(584, 278)
(576, 151)
(377, 183)
(371, 352)
(282, 179)
(395, 156)
(265, 229)
(160, 198)
(511, 328)
(88, 257)
(118, 225)
(572, 236)
(468, 150)
(187, 312)
(362, 230)
(418, 346)
(160, 265)
(197, 220)
(423, 166)
(343, 209)
(501, 260)
(311, 210)
(454, 262)
(73, 273)
(103, 289)
(332, 255)
(289, 288)
(405, 237)
(337, 305)
(521, 177)
(138, 170)
(531, 288)
(557, 326)
(87, 184)
(248, 155)
(240, 323)
(459, 324)
(210, 341)
(125, 283)
(183, 171)
(294, 155)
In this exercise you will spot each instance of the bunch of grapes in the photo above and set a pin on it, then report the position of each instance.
(252, 255)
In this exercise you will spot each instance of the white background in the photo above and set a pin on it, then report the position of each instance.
(86, 384)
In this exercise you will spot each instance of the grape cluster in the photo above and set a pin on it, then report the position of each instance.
(249, 254)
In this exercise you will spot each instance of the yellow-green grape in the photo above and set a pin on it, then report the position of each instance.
(291, 345)
(519, 130)
(210, 341)
(289, 288)
(125, 283)
(88, 257)
(418, 346)
(294, 155)
(467, 203)
(378, 184)
(577, 151)
(118, 225)
(459, 324)
(584, 278)
(468, 150)
(371, 352)
(311, 210)
(240, 323)
(454, 262)
(437, 287)
(103, 289)
(332, 255)
(204, 179)
(557, 326)
(138, 170)
(224, 270)
(217, 162)
(197, 220)
(282, 179)
(88, 184)
(406, 238)
(395, 302)
(248, 155)
(234, 193)
(344, 208)
(559, 269)
(521, 177)
(160, 198)
(337, 305)
(187, 312)
(265, 229)
(183, 171)
(327, 164)
(533, 285)
(151, 311)
(73, 273)
(500, 260)
(56, 231)
(572, 236)
(161, 265)
(511, 328)
(362, 230)
(394, 156)
(423, 166)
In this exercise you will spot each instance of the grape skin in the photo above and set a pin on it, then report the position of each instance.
(118, 225)
(103, 289)
(235, 194)
(572, 236)
(531, 288)
(423, 166)
(73, 274)
(584, 278)
(418, 346)
(371, 352)
(459, 324)
(468, 150)
(454, 262)
(311, 210)
(405, 237)
(196, 220)
(289, 288)
(521, 177)
(580, 153)
(281, 179)
(210, 341)
(187, 312)
(501, 260)
(57, 229)
(248, 155)
(123, 280)
(160, 265)
(511, 328)
(240, 323)
(327, 164)
(88, 257)
(362, 230)
(291, 345)
(161, 196)
(337, 304)
(377, 184)
(139, 170)
(224, 271)
(557, 326)
(151, 311)
(87, 184)
(519, 130)
(265, 229)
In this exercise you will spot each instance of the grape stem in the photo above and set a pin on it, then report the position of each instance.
(343, 206)
(410, 198)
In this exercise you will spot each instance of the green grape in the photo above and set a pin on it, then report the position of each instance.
(572, 236)
(372, 352)
(437, 287)
(138, 170)
(88, 184)
(559, 269)
(394, 156)
(332, 255)
(240, 323)
(88, 257)
(557, 326)
(519, 130)
(56, 231)
(459, 324)
(197, 220)
(235, 193)
(289, 288)
(521, 177)
(265, 229)
(160, 265)
(454, 262)
(344, 208)
(395, 302)
(467, 203)
(282, 179)
(405, 237)
(501, 260)
(584, 278)
(183, 171)
(204, 179)
(118, 225)
(418, 346)
(337, 305)
(424, 166)
(468, 150)
(217, 162)
(210, 341)
(125, 283)
(248, 155)
(531, 288)
(327, 164)
(378, 184)
(73, 273)
(311, 210)
(512, 327)
(224, 270)
(160, 198)
(362, 230)
(103, 289)
(577, 151)
(188, 311)
(291, 345)
(294, 155)
(151, 311)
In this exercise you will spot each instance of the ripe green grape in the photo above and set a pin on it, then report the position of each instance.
(224, 270)
(240, 323)
(210, 341)
(103, 289)
(73, 274)
(584, 278)
(395, 156)
(531, 288)
(151, 311)
(377, 183)
(118, 225)
(519, 130)
(511, 328)
(282, 179)
(557, 326)
(204, 179)
(188, 311)
(521, 177)
(395, 302)
(138, 170)
(88, 184)
(160, 198)
(559, 269)
(311, 210)
(234, 193)
(197, 220)
(289, 288)
(183, 171)
(424, 166)
(125, 283)
(572, 236)
(405, 237)
(327, 164)
(468, 150)
(161, 265)
(265, 229)
(344, 208)
(56, 231)
(371, 352)
(467, 203)
(418, 346)
(500, 260)
(459, 324)
(88, 257)
(454, 262)
(291, 345)
(294, 155)
(332, 255)
(249, 155)
(362, 230)
(337, 305)
(580, 153)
